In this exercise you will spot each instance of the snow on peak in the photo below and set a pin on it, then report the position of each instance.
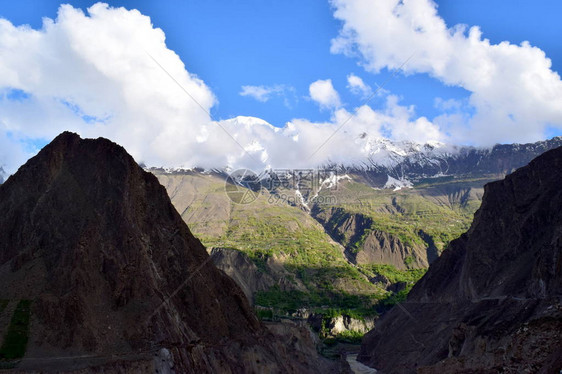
(387, 153)
(248, 122)
(397, 184)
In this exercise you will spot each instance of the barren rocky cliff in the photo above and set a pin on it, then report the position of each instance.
(365, 245)
(491, 302)
(115, 278)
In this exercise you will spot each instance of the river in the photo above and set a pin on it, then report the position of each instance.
(357, 367)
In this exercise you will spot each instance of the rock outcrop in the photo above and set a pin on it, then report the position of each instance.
(367, 245)
(333, 326)
(491, 302)
(251, 279)
(117, 280)
(242, 270)
(381, 247)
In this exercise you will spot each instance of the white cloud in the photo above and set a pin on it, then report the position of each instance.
(357, 86)
(97, 65)
(323, 92)
(12, 154)
(93, 74)
(514, 92)
(353, 136)
(265, 93)
(401, 124)
(261, 93)
(446, 105)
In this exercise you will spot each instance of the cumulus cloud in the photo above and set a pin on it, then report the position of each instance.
(402, 124)
(324, 93)
(353, 136)
(265, 93)
(262, 93)
(358, 87)
(93, 74)
(108, 72)
(514, 93)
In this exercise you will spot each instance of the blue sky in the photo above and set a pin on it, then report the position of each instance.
(230, 44)
(285, 46)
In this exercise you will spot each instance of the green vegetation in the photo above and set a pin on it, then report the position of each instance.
(282, 235)
(291, 237)
(270, 230)
(259, 258)
(356, 246)
(327, 303)
(3, 304)
(333, 304)
(443, 216)
(394, 298)
(409, 277)
(352, 313)
(265, 314)
(15, 340)
(287, 234)
(350, 336)
(394, 275)
(409, 261)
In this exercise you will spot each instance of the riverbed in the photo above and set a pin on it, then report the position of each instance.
(357, 367)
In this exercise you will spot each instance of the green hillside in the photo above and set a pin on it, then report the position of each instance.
(319, 255)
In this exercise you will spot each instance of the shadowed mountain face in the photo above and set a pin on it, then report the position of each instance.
(492, 300)
(115, 275)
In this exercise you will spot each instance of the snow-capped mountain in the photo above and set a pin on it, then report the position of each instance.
(252, 143)
(396, 165)
(386, 153)
(410, 162)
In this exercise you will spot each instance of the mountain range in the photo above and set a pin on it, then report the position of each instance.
(413, 162)
(336, 237)
(93, 238)
(492, 301)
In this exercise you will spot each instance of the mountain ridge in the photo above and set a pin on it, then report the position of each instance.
(115, 275)
(491, 301)
(410, 162)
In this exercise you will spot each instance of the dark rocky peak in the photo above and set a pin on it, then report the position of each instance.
(114, 275)
(513, 244)
(492, 300)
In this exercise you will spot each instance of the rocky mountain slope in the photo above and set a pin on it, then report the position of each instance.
(491, 302)
(249, 277)
(107, 276)
(294, 262)
(413, 162)
(340, 238)
(365, 245)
